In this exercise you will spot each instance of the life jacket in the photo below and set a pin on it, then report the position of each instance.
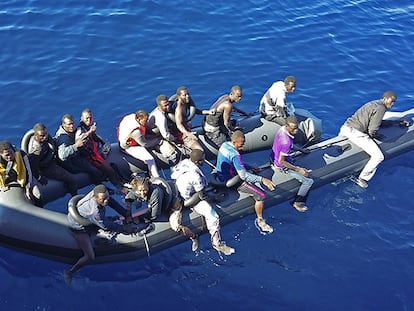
(125, 129)
(18, 166)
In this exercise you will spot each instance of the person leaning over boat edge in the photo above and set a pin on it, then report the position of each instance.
(41, 151)
(218, 126)
(92, 208)
(230, 164)
(361, 129)
(191, 184)
(15, 170)
(282, 146)
(143, 190)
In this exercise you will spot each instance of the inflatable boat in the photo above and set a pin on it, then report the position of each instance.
(45, 233)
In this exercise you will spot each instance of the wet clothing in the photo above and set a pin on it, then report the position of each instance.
(43, 162)
(361, 128)
(190, 180)
(230, 164)
(282, 145)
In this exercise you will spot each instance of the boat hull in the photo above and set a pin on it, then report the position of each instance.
(45, 233)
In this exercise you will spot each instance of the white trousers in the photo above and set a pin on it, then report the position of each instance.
(212, 220)
(367, 144)
(141, 153)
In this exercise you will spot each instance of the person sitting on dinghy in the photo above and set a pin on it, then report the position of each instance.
(42, 156)
(145, 135)
(232, 172)
(15, 171)
(158, 200)
(130, 130)
(69, 150)
(191, 184)
(282, 147)
(182, 108)
(218, 126)
(160, 122)
(89, 216)
(91, 149)
(273, 107)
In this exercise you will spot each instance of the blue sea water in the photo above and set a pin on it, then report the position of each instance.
(354, 249)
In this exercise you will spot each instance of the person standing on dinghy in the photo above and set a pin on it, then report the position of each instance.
(282, 147)
(361, 129)
(191, 184)
(230, 164)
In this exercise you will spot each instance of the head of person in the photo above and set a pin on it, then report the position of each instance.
(290, 84)
(292, 125)
(6, 151)
(238, 140)
(183, 95)
(87, 117)
(142, 117)
(162, 103)
(101, 195)
(68, 123)
(197, 157)
(389, 98)
(40, 133)
(235, 93)
(140, 185)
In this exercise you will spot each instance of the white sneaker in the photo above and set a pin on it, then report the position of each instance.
(194, 244)
(262, 226)
(223, 248)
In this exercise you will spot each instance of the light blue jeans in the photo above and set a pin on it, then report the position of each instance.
(306, 182)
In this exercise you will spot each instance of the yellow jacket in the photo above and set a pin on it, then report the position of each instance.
(19, 167)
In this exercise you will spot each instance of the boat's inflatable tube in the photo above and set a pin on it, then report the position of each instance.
(73, 210)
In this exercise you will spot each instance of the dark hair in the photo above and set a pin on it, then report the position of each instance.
(389, 94)
(196, 155)
(67, 116)
(237, 134)
(140, 114)
(181, 88)
(235, 88)
(5, 145)
(290, 79)
(99, 189)
(39, 127)
(291, 119)
(160, 98)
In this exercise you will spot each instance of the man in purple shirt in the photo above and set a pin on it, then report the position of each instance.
(281, 149)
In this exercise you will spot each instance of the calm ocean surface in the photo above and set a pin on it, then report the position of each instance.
(354, 249)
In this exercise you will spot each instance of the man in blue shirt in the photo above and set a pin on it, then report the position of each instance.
(230, 164)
